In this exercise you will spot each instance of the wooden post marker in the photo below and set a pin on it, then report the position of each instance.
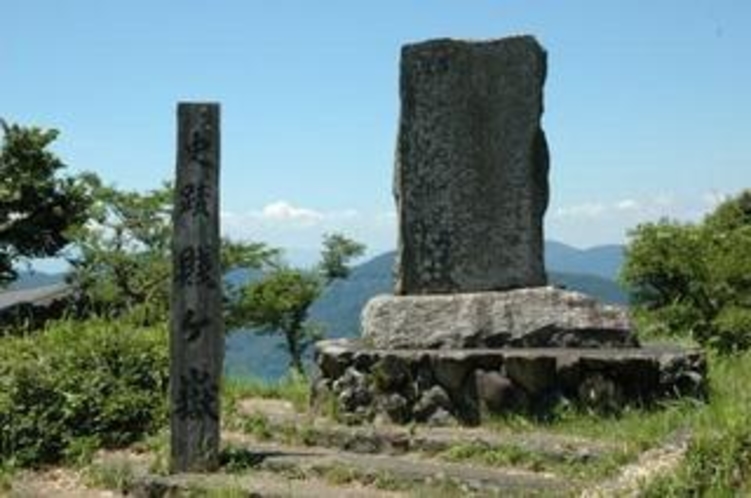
(196, 327)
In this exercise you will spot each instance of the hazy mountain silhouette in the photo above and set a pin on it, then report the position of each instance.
(603, 261)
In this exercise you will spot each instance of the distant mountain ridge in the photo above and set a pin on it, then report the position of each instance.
(604, 261)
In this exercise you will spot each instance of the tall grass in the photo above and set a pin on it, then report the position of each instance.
(718, 462)
(293, 387)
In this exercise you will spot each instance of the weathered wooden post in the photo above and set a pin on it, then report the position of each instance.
(197, 337)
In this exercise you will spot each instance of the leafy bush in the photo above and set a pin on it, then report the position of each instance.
(694, 279)
(732, 331)
(99, 382)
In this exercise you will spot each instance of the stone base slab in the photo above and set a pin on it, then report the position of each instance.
(445, 386)
(529, 317)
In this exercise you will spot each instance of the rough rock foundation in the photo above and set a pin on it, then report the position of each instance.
(441, 387)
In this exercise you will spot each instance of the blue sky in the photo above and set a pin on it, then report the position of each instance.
(647, 103)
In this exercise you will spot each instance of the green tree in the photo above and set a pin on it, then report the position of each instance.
(121, 259)
(280, 302)
(695, 279)
(337, 252)
(37, 207)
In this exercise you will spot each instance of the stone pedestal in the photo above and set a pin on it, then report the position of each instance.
(446, 386)
(531, 317)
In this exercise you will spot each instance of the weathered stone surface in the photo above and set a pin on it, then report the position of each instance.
(683, 374)
(534, 317)
(450, 372)
(396, 407)
(439, 386)
(432, 400)
(352, 390)
(334, 365)
(391, 373)
(534, 374)
(600, 392)
(496, 392)
(471, 173)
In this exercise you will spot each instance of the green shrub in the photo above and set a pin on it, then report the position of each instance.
(693, 280)
(99, 382)
(732, 330)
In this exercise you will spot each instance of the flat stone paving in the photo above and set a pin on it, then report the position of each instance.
(255, 484)
(313, 460)
(396, 439)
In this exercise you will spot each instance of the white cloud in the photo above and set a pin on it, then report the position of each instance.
(299, 229)
(283, 211)
(288, 225)
(286, 215)
(627, 205)
(592, 223)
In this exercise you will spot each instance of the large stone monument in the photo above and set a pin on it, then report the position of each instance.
(471, 323)
(471, 180)
(471, 188)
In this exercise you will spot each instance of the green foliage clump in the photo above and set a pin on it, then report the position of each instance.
(280, 302)
(37, 207)
(122, 258)
(694, 280)
(99, 382)
(337, 251)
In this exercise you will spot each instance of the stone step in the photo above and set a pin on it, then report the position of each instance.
(316, 461)
(139, 481)
(256, 484)
(282, 420)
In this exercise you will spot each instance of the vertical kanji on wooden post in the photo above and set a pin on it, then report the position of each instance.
(196, 328)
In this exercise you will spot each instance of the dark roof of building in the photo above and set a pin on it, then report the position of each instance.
(40, 296)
